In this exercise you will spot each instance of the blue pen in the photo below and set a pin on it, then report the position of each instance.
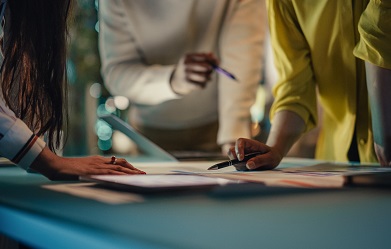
(224, 72)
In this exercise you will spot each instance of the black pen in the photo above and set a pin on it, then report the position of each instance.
(224, 72)
(239, 165)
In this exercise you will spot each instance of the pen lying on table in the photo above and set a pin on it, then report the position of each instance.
(239, 165)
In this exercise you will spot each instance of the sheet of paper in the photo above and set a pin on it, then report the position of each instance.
(293, 172)
(188, 167)
(279, 178)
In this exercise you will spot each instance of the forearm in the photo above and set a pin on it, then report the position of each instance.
(46, 162)
(17, 142)
(140, 83)
(287, 127)
(125, 68)
(242, 49)
(379, 87)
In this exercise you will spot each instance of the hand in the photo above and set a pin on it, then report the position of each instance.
(270, 158)
(61, 168)
(193, 72)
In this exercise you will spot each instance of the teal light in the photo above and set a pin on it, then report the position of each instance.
(103, 130)
(101, 110)
(104, 145)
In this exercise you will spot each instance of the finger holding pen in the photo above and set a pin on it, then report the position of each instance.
(199, 67)
(268, 159)
(193, 72)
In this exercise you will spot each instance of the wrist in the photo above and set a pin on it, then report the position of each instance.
(45, 163)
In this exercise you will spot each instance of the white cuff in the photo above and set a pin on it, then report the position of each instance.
(20, 145)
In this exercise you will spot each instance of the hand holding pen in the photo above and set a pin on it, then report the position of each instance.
(255, 154)
(194, 71)
(238, 164)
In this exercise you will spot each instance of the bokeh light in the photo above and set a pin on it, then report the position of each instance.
(103, 130)
(104, 144)
(96, 90)
(123, 145)
(109, 105)
(121, 102)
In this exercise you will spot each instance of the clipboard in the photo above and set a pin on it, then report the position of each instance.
(144, 144)
(149, 148)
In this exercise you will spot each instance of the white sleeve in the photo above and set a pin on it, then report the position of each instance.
(241, 48)
(122, 68)
(17, 142)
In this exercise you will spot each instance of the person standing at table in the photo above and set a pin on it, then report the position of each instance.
(375, 48)
(313, 43)
(33, 96)
(160, 55)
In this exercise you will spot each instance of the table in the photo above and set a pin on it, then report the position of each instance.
(261, 218)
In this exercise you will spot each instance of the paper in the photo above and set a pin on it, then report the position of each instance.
(160, 181)
(279, 178)
(187, 167)
(299, 173)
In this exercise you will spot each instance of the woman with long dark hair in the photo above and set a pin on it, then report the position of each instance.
(33, 98)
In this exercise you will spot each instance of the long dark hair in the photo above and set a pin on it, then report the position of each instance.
(34, 68)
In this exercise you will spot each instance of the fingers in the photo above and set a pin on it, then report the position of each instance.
(193, 72)
(199, 79)
(128, 168)
(121, 165)
(269, 159)
(208, 58)
(244, 146)
(231, 153)
(263, 162)
(199, 67)
(114, 171)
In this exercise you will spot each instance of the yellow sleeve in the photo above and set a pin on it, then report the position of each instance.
(296, 88)
(375, 34)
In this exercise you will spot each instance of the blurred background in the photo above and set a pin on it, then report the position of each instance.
(87, 96)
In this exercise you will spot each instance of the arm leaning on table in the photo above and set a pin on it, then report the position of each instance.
(294, 109)
(20, 145)
(33, 89)
(280, 140)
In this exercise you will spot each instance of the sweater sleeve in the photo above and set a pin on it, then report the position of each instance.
(123, 70)
(241, 52)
